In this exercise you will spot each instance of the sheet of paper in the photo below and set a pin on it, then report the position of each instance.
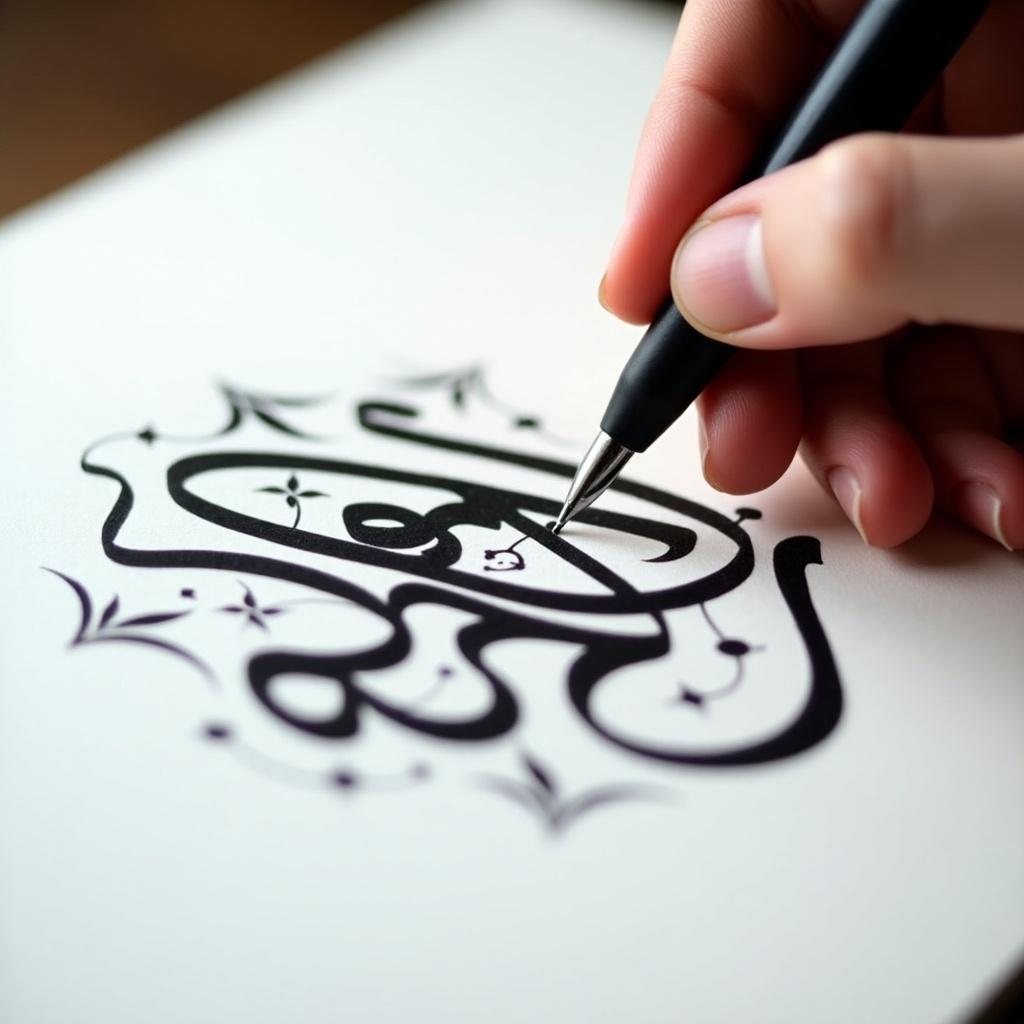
(305, 715)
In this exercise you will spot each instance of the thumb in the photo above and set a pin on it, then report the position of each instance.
(873, 232)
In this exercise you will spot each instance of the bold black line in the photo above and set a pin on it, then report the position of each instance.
(85, 604)
(603, 652)
(821, 710)
(480, 506)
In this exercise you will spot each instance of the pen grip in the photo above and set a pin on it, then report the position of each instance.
(666, 372)
(879, 73)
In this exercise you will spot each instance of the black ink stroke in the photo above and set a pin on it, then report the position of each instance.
(730, 647)
(821, 710)
(253, 613)
(540, 795)
(294, 495)
(470, 382)
(345, 780)
(500, 609)
(110, 629)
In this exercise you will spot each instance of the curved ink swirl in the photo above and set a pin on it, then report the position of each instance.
(384, 536)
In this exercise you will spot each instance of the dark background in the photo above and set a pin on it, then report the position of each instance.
(83, 81)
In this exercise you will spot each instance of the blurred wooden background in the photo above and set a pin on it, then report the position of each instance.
(83, 81)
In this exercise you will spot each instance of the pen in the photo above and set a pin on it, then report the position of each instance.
(880, 71)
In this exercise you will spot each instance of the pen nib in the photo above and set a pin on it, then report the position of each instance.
(597, 472)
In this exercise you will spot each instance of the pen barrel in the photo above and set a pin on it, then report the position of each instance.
(881, 70)
(666, 372)
(879, 73)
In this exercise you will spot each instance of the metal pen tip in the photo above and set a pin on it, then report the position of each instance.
(597, 472)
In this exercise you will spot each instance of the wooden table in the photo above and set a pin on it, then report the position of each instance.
(83, 81)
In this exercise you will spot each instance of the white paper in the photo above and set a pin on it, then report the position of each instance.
(236, 795)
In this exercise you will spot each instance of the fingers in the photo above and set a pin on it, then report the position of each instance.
(734, 69)
(1003, 356)
(857, 447)
(955, 393)
(946, 394)
(871, 233)
(750, 421)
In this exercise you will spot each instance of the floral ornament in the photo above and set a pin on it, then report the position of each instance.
(470, 382)
(254, 612)
(112, 627)
(293, 496)
(541, 795)
(242, 406)
(729, 646)
(266, 409)
(344, 780)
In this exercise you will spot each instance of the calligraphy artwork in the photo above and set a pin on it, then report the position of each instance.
(375, 577)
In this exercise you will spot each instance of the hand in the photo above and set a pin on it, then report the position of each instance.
(892, 238)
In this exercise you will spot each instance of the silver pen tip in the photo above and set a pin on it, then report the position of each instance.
(598, 470)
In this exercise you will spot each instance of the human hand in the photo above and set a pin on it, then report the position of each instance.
(915, 242)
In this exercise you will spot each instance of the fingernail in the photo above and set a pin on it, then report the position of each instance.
(980, 505)
(846, 487)
(600, 292)
(719, 275)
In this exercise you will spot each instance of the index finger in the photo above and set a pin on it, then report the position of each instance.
(734, 69)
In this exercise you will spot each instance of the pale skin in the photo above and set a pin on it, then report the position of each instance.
(876, 289)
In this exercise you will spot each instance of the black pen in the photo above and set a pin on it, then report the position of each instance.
(881, 70)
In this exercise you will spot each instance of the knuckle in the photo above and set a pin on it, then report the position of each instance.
(865, 184)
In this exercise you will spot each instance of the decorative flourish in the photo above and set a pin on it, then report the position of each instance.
(346, 780)
(541, 796)
(394, 559)
(444, 677)
(126, 629)
(731, 647)
(506, 559)
(254, 613)
(242, 405)
(293, 495)
(265, 408)
(470, 382)
(424, 550)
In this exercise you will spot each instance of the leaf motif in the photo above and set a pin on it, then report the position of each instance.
(292, 402)
(275, 424)
(273, 611)
(539, 774)
(154, 619)
(293, 483)
(313, 494)
(163, 645)
(271, 490)
(601, 797)
(110, 611)
(83, 599)
(458, 396)
(427, 380)
(249, 599)
(523, 795)
(235, 609)
(290, 501)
